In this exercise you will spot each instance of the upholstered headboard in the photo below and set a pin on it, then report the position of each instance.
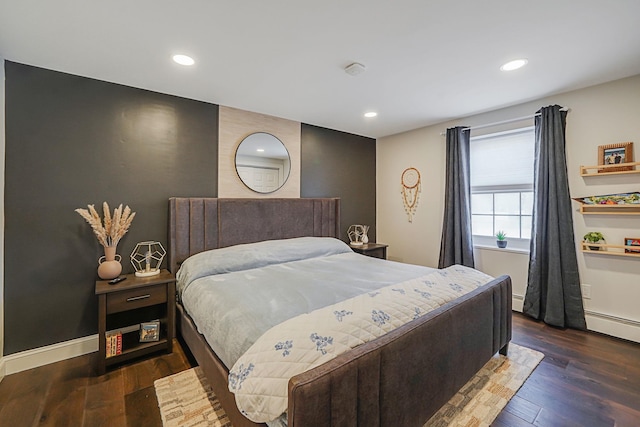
(199, 224)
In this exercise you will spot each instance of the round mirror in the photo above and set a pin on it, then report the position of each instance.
(262, 162)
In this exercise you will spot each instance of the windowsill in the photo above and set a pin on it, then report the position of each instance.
(507, 249)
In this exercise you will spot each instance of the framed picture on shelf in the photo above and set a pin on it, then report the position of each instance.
(150, 331)
(632, 241)
(613, 154)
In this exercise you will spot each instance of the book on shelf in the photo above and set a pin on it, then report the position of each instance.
(113, 344)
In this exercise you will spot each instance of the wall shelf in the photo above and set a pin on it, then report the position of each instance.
(601, 170)
(626, 209)
(607, 249)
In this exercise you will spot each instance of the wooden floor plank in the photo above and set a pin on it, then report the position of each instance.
(523, 409)
(507, 419)
(138, 376)
(141, 408)
(104, 404)
(64, 404)
(7, 385)
(28, 396)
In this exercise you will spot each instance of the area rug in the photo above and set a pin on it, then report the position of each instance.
(186, 400)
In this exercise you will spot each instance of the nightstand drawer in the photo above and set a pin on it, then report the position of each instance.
(136, 298)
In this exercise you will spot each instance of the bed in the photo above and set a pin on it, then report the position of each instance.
(400, 378)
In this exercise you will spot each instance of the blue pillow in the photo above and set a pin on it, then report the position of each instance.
(254, 255)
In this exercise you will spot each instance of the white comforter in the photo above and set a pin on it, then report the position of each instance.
(260, 377)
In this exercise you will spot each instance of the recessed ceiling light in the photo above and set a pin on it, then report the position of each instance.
(183, 59)
(370, 114)
(260, 150)
(514, 65)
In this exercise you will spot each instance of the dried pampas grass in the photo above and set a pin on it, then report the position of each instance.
(115, 226)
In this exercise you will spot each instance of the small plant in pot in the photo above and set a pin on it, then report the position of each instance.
(594, 237)
(502, 239)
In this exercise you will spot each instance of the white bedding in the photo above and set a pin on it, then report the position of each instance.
(260, 377)
(236, 294)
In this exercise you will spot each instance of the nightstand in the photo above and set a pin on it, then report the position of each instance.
(375, 250)
(124, 306)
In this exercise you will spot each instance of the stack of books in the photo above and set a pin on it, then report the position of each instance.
(114, 343)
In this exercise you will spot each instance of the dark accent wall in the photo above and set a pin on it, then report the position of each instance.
(338, 164)
(73, 141)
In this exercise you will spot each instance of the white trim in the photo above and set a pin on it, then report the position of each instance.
(507, 249)
(29, 359)
(609, 317)
(2, 368)
(2, 184)
(517, 302)
(613, 325)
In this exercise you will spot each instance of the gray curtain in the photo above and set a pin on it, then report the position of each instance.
(553, 289)
(456, 246)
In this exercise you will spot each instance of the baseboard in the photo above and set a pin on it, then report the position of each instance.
(2, 368)
(603, 323)
(613, 325)
(49, 354)
(517, 302)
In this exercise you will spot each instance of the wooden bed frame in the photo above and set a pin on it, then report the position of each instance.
(399, 379)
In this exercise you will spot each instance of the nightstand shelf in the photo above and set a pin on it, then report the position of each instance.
(138, 350)
(123, 306)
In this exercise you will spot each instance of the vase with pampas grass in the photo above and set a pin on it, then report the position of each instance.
(109, 234)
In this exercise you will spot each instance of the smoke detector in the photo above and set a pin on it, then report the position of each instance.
(354, 69)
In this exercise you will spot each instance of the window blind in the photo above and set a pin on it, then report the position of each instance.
(502, 160)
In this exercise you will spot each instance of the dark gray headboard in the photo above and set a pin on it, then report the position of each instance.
(199, 224)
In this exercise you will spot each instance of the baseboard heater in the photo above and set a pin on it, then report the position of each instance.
(600, 315)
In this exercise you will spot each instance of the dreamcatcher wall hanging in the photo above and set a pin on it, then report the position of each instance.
(410, 190)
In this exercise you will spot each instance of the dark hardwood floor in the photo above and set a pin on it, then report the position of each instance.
(586, 379)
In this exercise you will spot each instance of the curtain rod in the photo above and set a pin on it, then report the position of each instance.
(503, 122)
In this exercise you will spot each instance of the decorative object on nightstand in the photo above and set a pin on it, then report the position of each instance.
(147, 257)
(501, 237)
(108, 235)
(410, 181)
(358, 234)
(150, 331)
(135, 317)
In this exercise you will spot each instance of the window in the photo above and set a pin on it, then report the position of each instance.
(502, 185)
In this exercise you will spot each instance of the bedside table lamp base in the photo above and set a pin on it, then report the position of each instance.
(152, 272)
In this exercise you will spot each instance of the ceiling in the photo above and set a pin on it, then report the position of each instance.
(427, 61)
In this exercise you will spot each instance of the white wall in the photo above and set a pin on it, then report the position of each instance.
(2, 145)
(599, 115)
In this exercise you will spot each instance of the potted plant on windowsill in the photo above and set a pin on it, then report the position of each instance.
(594, 237)
(502, 239)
